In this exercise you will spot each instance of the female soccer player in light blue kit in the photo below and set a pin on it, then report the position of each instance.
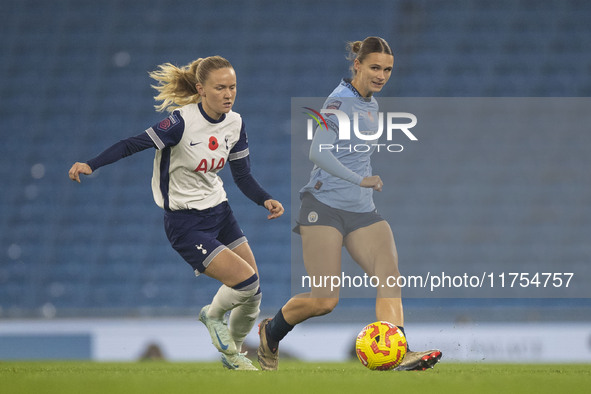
(338, 209)
(193, 143)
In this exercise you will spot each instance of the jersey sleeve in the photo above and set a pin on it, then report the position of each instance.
(240, 149)
(168, 132)
(120, 150)
(326, 160)
(239, 160)
(331, 119)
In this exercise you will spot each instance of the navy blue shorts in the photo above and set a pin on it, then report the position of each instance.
(200, 235)
(316, 213)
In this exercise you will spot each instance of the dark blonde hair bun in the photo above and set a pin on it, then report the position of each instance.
(360, 49)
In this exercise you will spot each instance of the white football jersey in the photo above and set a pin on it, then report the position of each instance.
(192, 148)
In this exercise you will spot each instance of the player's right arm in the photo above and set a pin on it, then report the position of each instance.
(77, 169)
(110, 155)
(329, 163)
(166, 133)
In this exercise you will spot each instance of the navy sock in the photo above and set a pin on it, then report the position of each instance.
(277, 329)
(402, 329)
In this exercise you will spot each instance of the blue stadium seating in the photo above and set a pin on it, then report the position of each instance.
(99, 248)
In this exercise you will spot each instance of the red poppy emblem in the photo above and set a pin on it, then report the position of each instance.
(213, 143)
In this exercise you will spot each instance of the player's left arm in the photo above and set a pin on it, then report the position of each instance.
(239, 160)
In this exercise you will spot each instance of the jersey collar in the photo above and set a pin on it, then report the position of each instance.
(346, 82)
(208, 118)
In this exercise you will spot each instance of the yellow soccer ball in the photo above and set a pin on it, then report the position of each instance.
(380, 346)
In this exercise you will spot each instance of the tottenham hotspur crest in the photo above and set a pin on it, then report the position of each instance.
(201, 248)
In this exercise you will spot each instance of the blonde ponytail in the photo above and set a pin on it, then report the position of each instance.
(177, 85)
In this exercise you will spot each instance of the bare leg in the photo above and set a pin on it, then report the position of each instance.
(243, 250)
(229, 268)
(373, 248)
(322, 256)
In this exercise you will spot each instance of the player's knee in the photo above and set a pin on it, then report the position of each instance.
(248, 288)
(395, 273)
(323, 306)
(387, 267)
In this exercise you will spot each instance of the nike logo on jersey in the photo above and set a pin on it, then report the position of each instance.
(194, 143)
(224, 347)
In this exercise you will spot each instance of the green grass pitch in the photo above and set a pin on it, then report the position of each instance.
(293, 377)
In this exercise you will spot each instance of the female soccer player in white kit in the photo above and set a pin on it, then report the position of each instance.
(193, 143)
(338, 209)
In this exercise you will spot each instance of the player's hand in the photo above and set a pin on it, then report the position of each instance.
(275, 208)
(373, 182)
(77, 169)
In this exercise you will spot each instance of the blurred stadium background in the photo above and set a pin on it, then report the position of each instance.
(75, 80)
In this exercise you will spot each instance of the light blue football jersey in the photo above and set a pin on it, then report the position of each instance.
(344, 192)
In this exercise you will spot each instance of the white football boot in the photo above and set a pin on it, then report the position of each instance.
(218, 330)
(238, 362)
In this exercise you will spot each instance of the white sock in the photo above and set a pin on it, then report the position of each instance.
(243, 318)
(227, 298)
